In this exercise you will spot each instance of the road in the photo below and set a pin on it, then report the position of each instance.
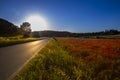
(13, 58)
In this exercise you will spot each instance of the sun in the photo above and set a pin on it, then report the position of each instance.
(37, 22)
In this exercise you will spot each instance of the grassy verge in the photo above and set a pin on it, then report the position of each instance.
(14, 40)
(52, 63)
(55, 62)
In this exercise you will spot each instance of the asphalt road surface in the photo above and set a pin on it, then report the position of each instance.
(13, 58)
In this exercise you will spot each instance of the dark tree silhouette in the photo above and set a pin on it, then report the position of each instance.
(25, 27)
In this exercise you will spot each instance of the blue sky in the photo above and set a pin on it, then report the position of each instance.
(65, 15)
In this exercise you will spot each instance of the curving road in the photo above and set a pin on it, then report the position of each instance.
(13, 58)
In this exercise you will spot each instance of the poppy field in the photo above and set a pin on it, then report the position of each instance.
(102, 56)
(100, 47)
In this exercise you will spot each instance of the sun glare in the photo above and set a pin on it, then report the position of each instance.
(37, 22)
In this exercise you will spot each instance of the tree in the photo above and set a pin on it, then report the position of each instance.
(25, 27)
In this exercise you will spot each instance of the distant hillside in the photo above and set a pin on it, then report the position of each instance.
(51, 33)
(8, 29)
(69, 34)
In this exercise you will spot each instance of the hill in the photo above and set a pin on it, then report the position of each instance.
(48, 33)
(8, 29)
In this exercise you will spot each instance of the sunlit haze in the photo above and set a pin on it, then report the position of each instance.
(37, 22)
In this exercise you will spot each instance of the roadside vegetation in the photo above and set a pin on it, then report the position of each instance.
(11, 34)
(75, 59)
(7, 41)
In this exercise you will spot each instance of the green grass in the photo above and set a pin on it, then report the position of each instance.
(54, 62)
(7, 41)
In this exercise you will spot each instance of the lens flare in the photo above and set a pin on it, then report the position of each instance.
(37, 22)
